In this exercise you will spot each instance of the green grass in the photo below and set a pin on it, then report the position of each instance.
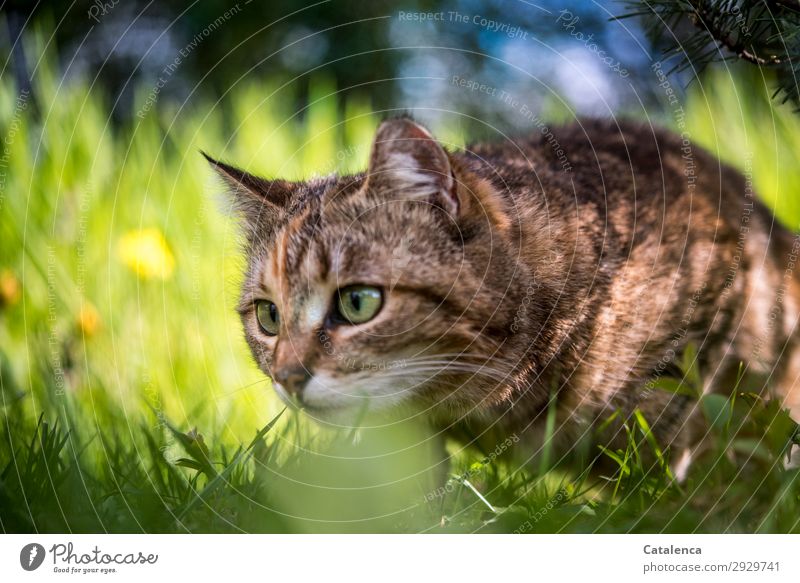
(118, 276)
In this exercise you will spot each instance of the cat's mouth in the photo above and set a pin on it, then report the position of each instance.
(339, 414)
(318, 407)
(326, 399)
(334, 414)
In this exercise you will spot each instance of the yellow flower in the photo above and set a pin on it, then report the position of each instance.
(88, 319)
(146, 252)
(9, 288)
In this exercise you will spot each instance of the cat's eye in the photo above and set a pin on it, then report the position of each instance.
(267, 315)
(357, 304)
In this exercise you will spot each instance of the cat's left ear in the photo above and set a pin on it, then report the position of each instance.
(408, 163)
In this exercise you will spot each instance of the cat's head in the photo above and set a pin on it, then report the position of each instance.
(399, 285)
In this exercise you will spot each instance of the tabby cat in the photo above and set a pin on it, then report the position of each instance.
(477, 286)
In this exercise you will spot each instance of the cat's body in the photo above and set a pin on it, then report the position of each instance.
(504, 277)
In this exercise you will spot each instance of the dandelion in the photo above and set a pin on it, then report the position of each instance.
(146, 252)
(88, 319)
(9, 288)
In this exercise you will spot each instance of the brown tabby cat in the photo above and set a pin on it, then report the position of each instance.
(474, 285)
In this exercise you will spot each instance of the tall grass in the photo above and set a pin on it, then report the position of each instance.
(129, 402)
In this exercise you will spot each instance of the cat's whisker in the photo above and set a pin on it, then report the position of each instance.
(461, 357)
(484, 364)
(436, 370)
(488, 364)
(242, 388)
(473, 371)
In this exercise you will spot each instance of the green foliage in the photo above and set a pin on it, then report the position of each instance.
(118, 274)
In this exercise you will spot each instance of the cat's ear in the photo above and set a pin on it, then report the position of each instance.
(254, 198)
(408, 163)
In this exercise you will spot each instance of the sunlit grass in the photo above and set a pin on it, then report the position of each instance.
(129, 401)
(744, 127)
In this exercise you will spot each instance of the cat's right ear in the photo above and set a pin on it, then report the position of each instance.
(256, 199)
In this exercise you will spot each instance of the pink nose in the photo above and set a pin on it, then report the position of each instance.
(293, 379)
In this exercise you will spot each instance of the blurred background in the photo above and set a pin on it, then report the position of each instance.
(126, 385)
(366, 47)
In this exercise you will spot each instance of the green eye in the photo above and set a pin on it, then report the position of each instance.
(359, 303)
(267, 315)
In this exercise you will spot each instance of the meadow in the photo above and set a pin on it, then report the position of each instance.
(128, 399)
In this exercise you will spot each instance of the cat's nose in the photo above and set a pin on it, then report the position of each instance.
(293, 379)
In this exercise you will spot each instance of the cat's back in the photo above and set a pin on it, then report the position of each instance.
(631, 177)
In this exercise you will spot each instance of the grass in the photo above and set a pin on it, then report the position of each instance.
(127, 397)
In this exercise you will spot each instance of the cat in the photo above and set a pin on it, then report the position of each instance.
(571, 267)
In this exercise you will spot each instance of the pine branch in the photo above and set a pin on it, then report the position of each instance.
(765, 33)
(791, 4)
(708, 21)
